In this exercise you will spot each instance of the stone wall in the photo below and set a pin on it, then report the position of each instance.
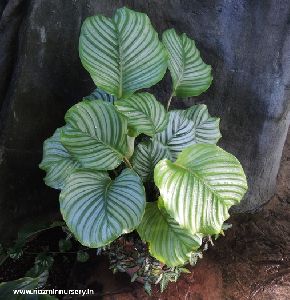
(246, 42)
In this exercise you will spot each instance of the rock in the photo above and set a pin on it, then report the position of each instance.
(246, 42)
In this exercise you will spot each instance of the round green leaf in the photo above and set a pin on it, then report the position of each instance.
(57, 162)
(168, 242)
(145, 114)
(200, 187)
(97, 209)
(96, 135)
(122, 54)
(190, 75)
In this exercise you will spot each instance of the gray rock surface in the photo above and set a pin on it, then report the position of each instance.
(246, 42)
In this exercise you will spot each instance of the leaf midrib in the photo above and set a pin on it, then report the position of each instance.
(201, 179)
(179, 78)
(100, 141)
(106, 199)
(120, 56)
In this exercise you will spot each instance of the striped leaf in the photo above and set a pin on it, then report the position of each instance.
(131, 146)
(206, 128)
(122, 54)
(168, 242)
(99, 94)
(96, 135)
(200, 187)
(185, 128)
(146, 156)
(57, 162)
(178, 134)
(190, 75)
(145, 114)
(98, 210)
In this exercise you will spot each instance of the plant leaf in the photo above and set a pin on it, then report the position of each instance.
(148, 288)
(96, 136)
(190, 75)
(206, 127)
(168, 242)
(64, 245)
(40, 272)
(185, 128)
(25, 283)
(200, 187)
(57, 162)
(122, 54)
(99, 94)
(82, 256)
(178, 134)
(145, 114)
(147, 154)
(97, 209)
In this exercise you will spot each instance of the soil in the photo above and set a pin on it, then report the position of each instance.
(252, 261)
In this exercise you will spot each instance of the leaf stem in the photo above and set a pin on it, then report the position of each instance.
(127, 162)
(169, 100)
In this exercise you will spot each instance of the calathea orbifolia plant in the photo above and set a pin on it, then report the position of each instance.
(101, 167)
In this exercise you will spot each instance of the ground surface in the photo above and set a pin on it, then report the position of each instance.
(251, 262)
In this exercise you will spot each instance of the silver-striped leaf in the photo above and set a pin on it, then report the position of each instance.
(96, 135)
(168, 242)
(206, 127)
(185, 128)
(57, 162)
(122, 54)
(145, 114)
(179, 134)
(190, 75)
(97, 209)
(200, 187)
(99, 94)
(146, 155)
